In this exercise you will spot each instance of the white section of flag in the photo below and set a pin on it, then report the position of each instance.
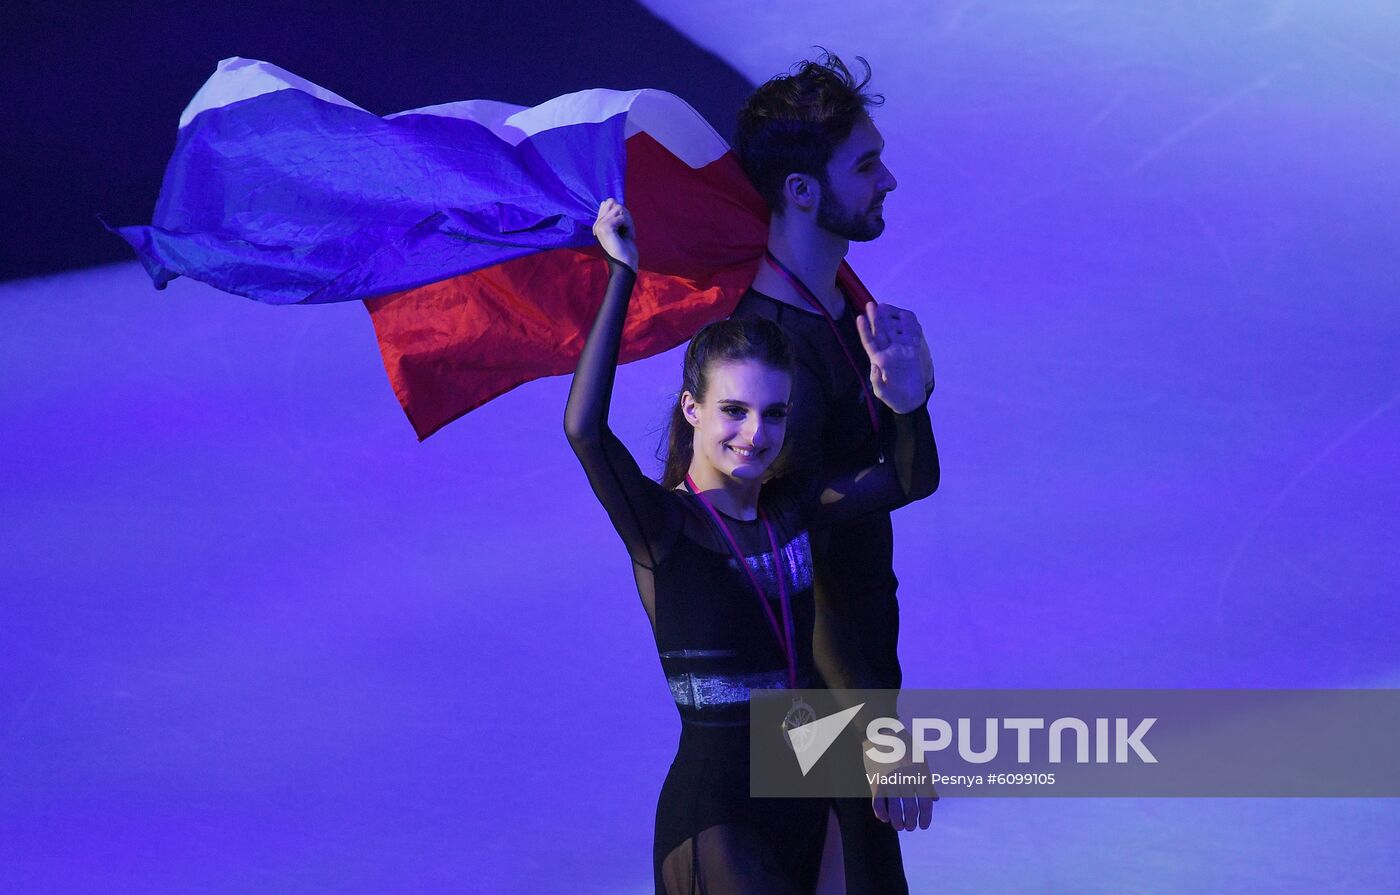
(666, 117)
(237, 79)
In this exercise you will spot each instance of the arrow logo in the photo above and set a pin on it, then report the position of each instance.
(810, 741)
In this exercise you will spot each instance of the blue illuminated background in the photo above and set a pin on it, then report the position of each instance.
(254, 637)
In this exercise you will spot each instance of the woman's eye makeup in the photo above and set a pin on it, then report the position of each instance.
(738, 412)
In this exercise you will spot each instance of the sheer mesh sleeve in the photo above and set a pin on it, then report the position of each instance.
(645, 516)
(910, 474)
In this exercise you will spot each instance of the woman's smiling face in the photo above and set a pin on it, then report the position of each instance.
(739, 427)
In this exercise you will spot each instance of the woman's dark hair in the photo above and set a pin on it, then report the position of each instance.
(720, 342)
(793, 123)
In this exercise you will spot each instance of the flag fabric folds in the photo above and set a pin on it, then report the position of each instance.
(466, 228)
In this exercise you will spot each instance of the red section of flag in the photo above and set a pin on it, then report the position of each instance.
(451, 346)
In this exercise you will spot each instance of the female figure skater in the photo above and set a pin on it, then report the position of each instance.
(723, 565)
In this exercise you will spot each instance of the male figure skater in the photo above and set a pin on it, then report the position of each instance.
(808, 144)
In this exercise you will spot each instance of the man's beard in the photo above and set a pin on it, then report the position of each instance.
(836, 218)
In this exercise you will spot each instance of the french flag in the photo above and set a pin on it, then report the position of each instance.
(466, 228)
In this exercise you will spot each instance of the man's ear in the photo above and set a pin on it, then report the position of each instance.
(690, 409)
(802, 191)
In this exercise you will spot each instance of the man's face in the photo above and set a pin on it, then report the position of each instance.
(852, 198)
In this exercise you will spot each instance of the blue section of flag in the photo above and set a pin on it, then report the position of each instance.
(286, 198)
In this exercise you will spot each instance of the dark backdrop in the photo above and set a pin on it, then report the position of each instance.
(93, 92)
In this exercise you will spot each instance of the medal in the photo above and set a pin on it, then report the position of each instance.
(800, 715)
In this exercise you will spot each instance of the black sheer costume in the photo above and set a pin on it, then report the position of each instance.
(857, 627)
(712, 634)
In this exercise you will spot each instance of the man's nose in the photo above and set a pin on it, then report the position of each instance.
(890, 181)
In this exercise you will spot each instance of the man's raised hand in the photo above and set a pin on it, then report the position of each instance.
(896, 367)
(902, 318)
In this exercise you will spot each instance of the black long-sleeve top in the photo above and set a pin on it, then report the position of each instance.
(705, 615)
(829, 429)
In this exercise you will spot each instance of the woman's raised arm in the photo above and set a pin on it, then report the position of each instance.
(639, 508)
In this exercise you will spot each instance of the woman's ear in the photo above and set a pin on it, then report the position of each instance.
(690, 409)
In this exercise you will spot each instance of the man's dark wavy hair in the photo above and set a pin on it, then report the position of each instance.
(793, 123)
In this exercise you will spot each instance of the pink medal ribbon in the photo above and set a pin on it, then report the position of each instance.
(784, 633)
(812, 300)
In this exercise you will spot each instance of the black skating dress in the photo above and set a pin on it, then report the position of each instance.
(712, 634)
